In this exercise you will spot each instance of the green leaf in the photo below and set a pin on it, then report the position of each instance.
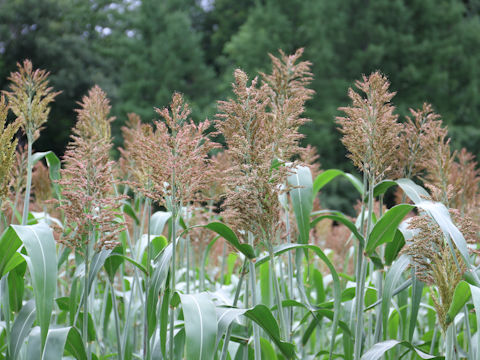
(21, 327)
(157, 281)
(263, 317)
(74, 344)
(200, 325)
(385, 228)
(475, 292)
(341, 218)
(415, 192)
(302, 199)
(42, 263)
(377, 350)
(382, 187)
(63, 338)
(14, 261)
(391, 280)
(96, 264)
(441, 215)
(328, 175)
(460, 297)
(9, 243)
(225, 316)
(127, 209)
(53, 163)
(158, 221)
(229, 235)
(337, 292)
(268, 352)
(34, 343)
(393, 248)
(417, 290)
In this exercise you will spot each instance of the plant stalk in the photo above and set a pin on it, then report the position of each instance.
(26, 203)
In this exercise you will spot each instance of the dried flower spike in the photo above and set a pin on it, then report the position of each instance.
(370, 128)
(172, 160)
(8, 144)
(93, 116)
(29, 97)
(433, 260)
(88, 200)
(418, 140)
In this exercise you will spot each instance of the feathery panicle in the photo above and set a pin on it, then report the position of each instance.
(419, 139)
(433, 259)
(41, 184)
(440, 163)
(370, 128)
(173, 157)
(252, 188)
(132, 132)
(465, 179)
(309, 157)
(93, 116)
(18, 171)
(288, 92)
(8, 144)
(88, 198)
(219, 164)
(29, 97)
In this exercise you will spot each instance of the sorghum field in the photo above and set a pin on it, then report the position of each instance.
(208, 241)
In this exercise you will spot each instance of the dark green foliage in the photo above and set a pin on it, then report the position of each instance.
(140, 52)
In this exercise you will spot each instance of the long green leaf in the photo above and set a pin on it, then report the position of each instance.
(229, 235)
(337, 292)
(42, 263)
(379, 349)
(61, 339)
(9, 243)
(391, 281)
(200, 325)
(385, 228)
(21, 327)
(302, 199)
(460, 297)
(157, 281)
(341, 218)
(263, 317)
(328, 175)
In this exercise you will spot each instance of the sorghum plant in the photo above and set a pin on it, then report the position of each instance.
(29, 98)
(88, 200)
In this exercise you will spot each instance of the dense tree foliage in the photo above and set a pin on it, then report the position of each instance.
(141, 51)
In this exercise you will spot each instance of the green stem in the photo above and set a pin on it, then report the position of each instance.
(359, 298)
(222, 268)
(253, 284)
(29, 179)
(117, 321)
(5, 305)
(172, 281)
(235, 300)
(278, 296)
(85, 298)
(450, 343)
(146, 340)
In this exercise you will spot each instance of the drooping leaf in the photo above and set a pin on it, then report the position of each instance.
(262, 315)
(328, 175)
(229, 235)
(379, 349)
